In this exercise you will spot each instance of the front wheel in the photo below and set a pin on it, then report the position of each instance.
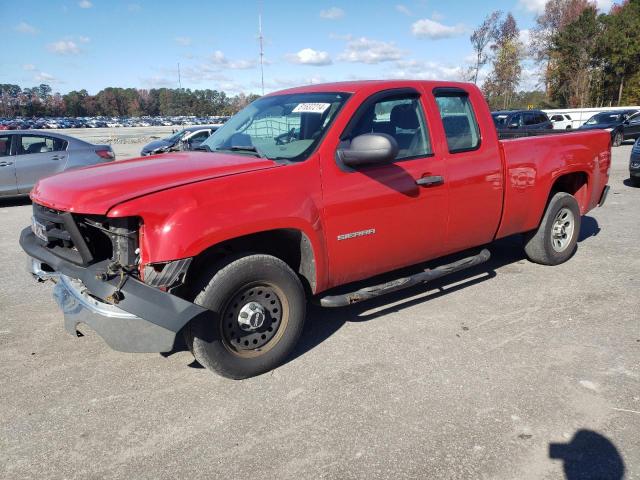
(555, 239)
(258, 308)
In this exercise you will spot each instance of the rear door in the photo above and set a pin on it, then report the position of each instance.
(38, 156)
(7, 166)
(474, 169)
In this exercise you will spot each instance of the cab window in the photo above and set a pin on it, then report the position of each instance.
(399, 116)
(459, 121)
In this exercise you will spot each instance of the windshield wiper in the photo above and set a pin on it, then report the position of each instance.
(242, 148)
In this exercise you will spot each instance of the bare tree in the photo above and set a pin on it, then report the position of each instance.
(481, 38)
(501, 84)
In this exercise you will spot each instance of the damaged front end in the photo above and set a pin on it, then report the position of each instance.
(100, 281)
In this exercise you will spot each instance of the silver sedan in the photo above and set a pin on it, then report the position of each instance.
(26, 156)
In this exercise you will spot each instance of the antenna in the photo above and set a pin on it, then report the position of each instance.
(261, 38)
(179, 80)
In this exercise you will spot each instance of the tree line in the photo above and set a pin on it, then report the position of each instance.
(584, 58)
(41, 101)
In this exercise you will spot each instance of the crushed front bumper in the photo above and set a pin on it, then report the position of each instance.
(145, 320)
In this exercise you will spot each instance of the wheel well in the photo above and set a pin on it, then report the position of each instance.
(574, 183)
(289, 245)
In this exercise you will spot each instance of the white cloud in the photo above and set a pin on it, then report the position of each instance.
(85, 4)
(309, 56)
(83, 39)
(64, 47)
(333, 13)
(24, 27)
(427, 28)
(218, 58)
(404, 10)
(29, 67)
(44, 77)
(423, 70)
(525, 37)
(183, 41)
(365, 50)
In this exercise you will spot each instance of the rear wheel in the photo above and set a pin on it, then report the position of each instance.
(258, 308)
(618, 138)
(555, 239)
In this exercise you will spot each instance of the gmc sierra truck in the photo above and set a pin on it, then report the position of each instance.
(303, 191)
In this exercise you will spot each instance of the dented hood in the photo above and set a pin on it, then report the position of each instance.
(95, 190)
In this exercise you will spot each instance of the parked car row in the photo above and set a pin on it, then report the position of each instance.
(622, 124)
(21, 123)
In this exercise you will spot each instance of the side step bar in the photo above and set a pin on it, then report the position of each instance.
(404, 282)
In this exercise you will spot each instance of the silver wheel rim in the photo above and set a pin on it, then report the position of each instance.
(562, 230)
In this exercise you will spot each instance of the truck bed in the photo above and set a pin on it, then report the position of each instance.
(534, 163)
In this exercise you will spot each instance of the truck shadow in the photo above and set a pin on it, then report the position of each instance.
(589, 455)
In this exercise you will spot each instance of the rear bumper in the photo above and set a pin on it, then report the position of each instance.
(145, 320)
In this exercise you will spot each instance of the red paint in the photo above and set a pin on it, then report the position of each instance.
(191, 201)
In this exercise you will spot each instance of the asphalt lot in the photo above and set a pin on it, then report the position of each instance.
(472, 377)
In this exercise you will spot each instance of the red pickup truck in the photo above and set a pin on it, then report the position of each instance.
(304, 190)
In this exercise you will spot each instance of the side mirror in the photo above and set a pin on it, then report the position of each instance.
(368, 149)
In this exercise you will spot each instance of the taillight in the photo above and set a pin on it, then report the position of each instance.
(107, 154)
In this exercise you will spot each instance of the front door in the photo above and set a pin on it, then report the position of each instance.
(38, 156)
(7, 167)
(378, 218)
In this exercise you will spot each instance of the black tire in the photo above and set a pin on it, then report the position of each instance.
(618, 138)
(548, 246)
(219, 343)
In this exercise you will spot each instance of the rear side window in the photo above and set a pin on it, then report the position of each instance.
(541, 118)
(459, 121)
(530, 119)
(5, 145)
(29, 144)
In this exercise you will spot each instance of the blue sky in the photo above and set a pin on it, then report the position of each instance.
(92, 44)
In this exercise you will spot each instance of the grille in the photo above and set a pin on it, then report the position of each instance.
(63, 236)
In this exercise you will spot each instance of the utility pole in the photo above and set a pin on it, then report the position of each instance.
(261, 38)
(179, 80)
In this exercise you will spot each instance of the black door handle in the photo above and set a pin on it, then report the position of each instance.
(430, 181)
(5, 164)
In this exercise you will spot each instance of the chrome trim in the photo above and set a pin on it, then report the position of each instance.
(71, 294)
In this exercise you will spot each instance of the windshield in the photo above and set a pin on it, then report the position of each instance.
(606, 118)
(176, 136)
(279, 127)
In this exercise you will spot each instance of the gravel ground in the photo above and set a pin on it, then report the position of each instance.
(485, 375)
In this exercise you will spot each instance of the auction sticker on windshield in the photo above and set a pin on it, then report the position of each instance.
(311, 107)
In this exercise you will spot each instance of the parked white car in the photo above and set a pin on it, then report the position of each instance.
(561, 121)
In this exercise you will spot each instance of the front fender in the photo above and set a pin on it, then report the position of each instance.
(184, 221)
